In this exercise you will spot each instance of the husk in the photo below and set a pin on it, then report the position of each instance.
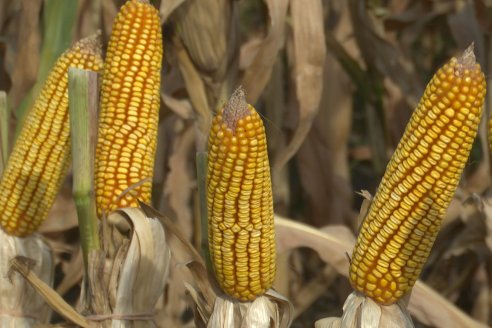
(269, 310)
(360, 311)
(20, 304)
(125, 281)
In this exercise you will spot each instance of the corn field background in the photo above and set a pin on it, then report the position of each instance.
(335, 81)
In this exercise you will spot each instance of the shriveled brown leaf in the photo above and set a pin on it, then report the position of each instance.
(322, 157)
(256, 76)
(63, 214)
(88, 19)
(432, 309)
(208, 31)
(309, 60)
(381, 53)
(335, 242)
(73, 272)
(26, 55)
(181, 107)
(167, 8)
(360, 311)
(180, 182)
(195, 86)
(20, 305)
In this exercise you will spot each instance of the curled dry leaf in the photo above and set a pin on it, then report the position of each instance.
(362, 312)
(168, 7)
(138, 266)
(309, 60)
(20, 304)
(195, 87)
(24, 70)
(179, 181)
(268, 311)
(135, 261)
(487, 208)
(258, 73)
(322, 157)
(334, 242)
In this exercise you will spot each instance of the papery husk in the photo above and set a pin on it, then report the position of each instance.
(360, 311)
(267, 311)
(124, 280)
(128, 277)
(20, 304)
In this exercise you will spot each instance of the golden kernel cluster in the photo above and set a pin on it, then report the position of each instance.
(240, 206)
(403, 220)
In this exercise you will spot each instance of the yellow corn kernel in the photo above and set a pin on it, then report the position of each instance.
(41, 155)
(403, 220)
(130, 99)
(240, 206)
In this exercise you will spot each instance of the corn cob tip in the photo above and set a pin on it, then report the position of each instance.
(235, 109)
(467, 59)
(91, 44)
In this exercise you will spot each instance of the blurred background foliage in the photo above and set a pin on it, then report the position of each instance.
(335, 80)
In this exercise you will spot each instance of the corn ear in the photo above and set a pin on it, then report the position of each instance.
(240, 207)
(129, 108)
(41, 155)
(405, 216)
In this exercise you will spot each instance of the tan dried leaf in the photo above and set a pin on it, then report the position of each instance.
(26, 55)
(20, 304)
(268, 311)
(258, 73)
(333, 244)
(309, 60)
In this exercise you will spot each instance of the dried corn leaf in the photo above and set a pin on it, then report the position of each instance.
(360, 311)
(59, 17)
(20, 305)
(168, 7)
(23, 266)
(309, 60)
(208, 31)
(268, 311)
(195, 87)
(258, 73)
(380, 53)
(179, 181)
(332, 245)
(26, 55)
(322, 157)
(124, 281)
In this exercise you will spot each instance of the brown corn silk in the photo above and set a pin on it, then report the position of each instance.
(240, 207)
(405, 216)
(129, 114)
(41, 155)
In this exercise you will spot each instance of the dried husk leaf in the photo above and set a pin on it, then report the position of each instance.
(360, 311)
(309, 60)
(333, 244)
(208, 31)
(124, 280)
(168, 7)
(137, 260)
(20, 304)
(26, 57)
(258, 73)
(269, 310)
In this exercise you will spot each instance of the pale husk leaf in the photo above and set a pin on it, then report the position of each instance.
(139, 267)
(269, 310)
(333, 245)
(124, 280)
(258, 73)
(20, 305)
(309, 60)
